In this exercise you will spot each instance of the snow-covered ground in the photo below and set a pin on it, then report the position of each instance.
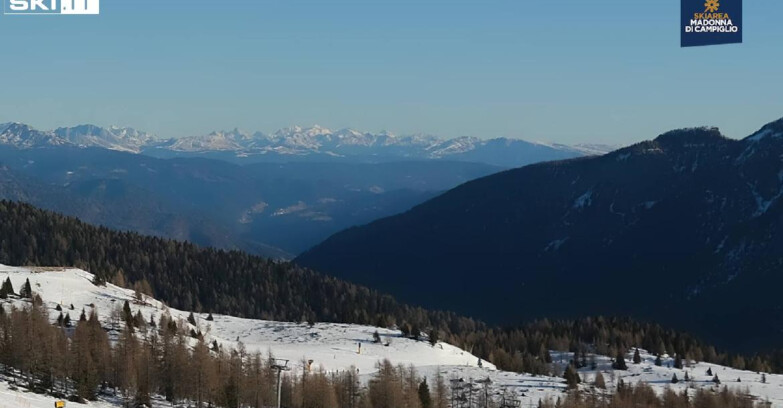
(334, 346)
(331, 346)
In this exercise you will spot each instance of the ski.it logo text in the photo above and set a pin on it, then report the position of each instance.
(51, 6)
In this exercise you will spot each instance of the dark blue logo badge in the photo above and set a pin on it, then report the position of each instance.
(710, 22)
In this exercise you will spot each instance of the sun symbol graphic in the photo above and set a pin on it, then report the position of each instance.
(711, 6)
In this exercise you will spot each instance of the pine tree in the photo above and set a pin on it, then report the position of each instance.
(674, 379)
(424, 394)
(571, 376)
(210, 318)
(415, 332)
(619, 362)
(127, 314)
(125, 364)
(678, 362)
(599, 381)
(27, 290)
(67, 320)
(98, 280)
(171, 325)
(7, 289)
(715, 379)
(387, 388)
(381, 321)
(441, 392)
(90, 349)
(637, 358)
(405, 329)
(146, 362)
(687, 377)
(202, 370)
(192, 319)
(138, 320)
(709, 371)
(434, 337)
(658, 361)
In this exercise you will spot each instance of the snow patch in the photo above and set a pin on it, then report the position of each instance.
(763, 204)
(555, 245)
(300, 206)
(760, 135)
(584, 200)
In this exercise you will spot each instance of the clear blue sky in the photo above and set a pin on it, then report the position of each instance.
(567, 71)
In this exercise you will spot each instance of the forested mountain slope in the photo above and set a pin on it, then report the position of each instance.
(234, 283)
(686, 229)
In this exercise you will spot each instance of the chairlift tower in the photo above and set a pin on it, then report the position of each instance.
(456, 385)
(280, 365)
(485, 383)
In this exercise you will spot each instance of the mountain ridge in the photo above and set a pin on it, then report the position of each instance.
(297, 143)
(691, 209)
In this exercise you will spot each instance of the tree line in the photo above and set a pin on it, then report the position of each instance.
(235, 283)
(145, 358)
(643, 396)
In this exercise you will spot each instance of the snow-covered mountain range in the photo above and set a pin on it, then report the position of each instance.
(114, 138)
(315, 141)
(24, 136)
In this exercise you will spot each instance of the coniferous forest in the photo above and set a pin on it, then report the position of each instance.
(159, 359)
(229, 282)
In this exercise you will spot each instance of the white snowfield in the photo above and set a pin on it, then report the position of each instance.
(334, 347)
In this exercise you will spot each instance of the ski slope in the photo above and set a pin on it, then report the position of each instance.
(333, 347)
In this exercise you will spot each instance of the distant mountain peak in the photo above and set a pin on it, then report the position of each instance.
(113, 137)
(17, 126)
(348, 144)
(316, 140)
(688, 136)
(774, 128)
(24, 136)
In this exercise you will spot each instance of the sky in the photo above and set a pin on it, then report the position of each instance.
(568, 71)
